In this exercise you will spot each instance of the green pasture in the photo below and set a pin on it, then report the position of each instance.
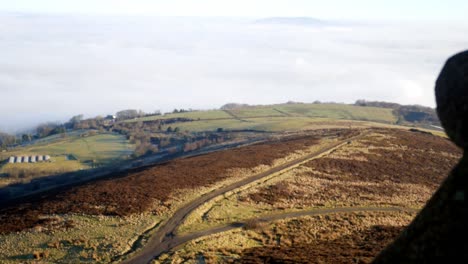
(88, 150)
(294, 115)
(209, 114)
(340, 111)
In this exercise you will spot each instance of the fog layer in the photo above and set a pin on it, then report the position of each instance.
(53, 67)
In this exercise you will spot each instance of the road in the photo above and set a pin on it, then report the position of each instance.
(165, 237)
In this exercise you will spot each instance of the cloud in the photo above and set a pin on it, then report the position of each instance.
(53, 67)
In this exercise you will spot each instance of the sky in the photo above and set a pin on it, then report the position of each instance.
(63, 58)
(338, 9)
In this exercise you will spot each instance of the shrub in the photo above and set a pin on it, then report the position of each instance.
(254, 224)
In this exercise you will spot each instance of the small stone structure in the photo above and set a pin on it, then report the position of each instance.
(29, 159)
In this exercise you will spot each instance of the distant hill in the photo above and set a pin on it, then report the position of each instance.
(301, 21)
(402, 114)
(406, 113)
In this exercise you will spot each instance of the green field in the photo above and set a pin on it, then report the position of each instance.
(102, 148)
(340, 111)
(203, 115)
(257, 112)
(72, 153)
(334, 111)
(275, 118)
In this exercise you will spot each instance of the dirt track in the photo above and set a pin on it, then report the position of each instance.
(164, 239)
(177, 241)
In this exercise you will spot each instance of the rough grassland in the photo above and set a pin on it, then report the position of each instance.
(385, 168)
(76, 239)
(152, 188)
(226, 209)
(334, 238)
(72, 226)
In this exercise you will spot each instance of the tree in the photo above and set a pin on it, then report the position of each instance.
(76, 119)
(6, 139)
(58, 130)
(26, 137)
(144, 148)
(169, 129)
(177, 130)
(46, 129)
(127, 114)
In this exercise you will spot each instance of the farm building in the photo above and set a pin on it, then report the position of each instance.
(29, 159)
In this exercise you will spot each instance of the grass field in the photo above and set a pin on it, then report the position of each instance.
(202, 115)
(103, 148)
(333, 111)
(266, 111)
(272, 124)
(340, 111)
(276, 118)
(98, 149)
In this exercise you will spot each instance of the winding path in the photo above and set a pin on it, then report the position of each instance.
(165, 237)
(179, 240)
